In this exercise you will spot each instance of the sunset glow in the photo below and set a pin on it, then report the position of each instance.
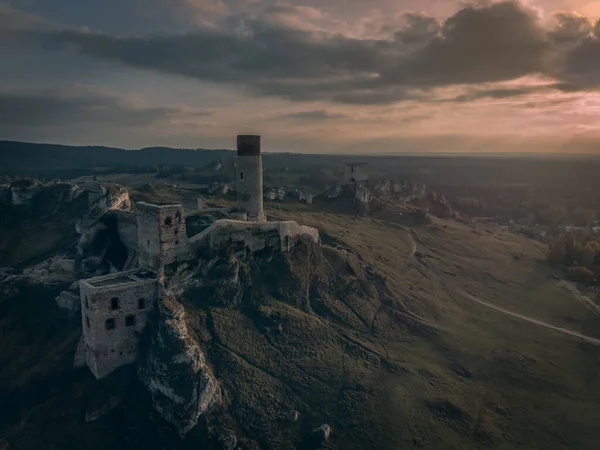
(326, 76)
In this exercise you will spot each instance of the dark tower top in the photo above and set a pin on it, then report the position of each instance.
(248, 145)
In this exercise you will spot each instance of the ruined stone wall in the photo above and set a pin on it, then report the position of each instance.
(111, 345)
(256, 236)
(161, 234)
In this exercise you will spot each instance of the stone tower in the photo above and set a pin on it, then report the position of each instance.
(161, 233)
(114, 311)
(249, 178)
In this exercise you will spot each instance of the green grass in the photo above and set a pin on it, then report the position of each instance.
(386, 349)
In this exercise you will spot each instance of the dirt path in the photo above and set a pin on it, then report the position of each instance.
(541, 323)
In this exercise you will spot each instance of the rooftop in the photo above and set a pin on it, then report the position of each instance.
(115, 279)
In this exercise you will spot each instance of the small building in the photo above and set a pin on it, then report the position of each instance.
(356, 172)
(114, 311)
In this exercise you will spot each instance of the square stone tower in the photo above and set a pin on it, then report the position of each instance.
(161, 233)
(114, 312)
(250, 178)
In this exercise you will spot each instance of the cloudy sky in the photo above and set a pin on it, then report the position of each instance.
(366, 76)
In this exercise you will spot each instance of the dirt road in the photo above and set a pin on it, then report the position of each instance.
(541, 323)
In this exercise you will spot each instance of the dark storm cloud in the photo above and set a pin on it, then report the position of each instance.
(582, 65)
(570, 28)
(419, 28)
(267, 55)
(73, 108)
(320, 114)
(499, 93)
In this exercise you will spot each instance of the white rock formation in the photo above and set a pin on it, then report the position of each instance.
(334, 193)
(101, 200)
(270, 195)
(175, 372)
(22, 192)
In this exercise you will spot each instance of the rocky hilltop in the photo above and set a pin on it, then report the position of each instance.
(240, 348)
(366, 341)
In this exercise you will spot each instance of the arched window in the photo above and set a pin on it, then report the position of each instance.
(130, 320)
(168, 221)
(87, 302)
(141, 303)
(114, 303)
(110, 324)
(241, 175)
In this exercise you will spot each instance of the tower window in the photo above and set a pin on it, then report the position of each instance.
(87, 302)
(141, 303)
(114, 303)
(168, 221)
(241, 175)
(130, 321)
(87, 321)
(110, 324)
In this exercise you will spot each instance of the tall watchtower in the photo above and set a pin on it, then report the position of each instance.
(249, 177)
(161, 233)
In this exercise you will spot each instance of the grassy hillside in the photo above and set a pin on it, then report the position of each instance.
(390, 350)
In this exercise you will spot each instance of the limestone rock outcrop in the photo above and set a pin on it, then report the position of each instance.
(57, 268)
(363, 198)
(175, 372)
(69, 299)
(102, 199)
(22, 192)
(218, 188)
(275, 194)
(109, 245)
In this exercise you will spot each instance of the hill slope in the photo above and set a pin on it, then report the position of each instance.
(373, 334)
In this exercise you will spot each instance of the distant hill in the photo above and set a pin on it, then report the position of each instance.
(25, 157)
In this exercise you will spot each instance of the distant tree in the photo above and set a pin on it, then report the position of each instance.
(581, 274)
(558, 250)
(584, 217)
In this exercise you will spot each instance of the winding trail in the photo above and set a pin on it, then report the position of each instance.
(541, 323)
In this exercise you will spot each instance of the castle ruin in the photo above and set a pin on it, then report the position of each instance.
(115, 308)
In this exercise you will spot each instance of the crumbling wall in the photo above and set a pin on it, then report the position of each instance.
(255, 236)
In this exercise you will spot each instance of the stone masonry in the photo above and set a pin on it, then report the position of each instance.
(115, 308)
(161, 233)
(114, 311)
